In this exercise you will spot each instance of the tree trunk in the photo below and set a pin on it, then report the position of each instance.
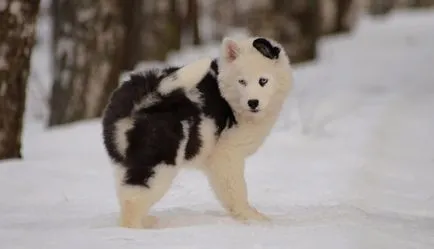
(88, 44)
(17, 36)
(339, 16)
(421, 3)
(176, 21)
(133, 22)
(329, 11)
(153, 29)
(192, 23)
(346, 15)
(381, 7)
(294, 23)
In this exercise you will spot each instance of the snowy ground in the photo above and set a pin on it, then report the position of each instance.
(358, 174)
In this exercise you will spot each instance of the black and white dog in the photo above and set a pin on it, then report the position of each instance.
(210, 114)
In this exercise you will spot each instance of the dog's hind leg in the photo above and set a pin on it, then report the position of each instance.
(136, 200)
(226, 177)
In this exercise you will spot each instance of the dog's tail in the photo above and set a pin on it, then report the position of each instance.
(141, 90)
(185, 78)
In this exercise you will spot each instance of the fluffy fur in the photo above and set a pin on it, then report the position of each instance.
(209, 114)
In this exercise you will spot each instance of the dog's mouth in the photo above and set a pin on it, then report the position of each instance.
(254, 110)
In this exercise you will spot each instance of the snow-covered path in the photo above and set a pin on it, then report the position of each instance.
(361, 175)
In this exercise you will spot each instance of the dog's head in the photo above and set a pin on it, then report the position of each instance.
(254, 74)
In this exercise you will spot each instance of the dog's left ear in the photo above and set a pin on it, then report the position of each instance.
(231, 49)
(266, 48)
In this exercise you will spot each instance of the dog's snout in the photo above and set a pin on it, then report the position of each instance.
(253, 103)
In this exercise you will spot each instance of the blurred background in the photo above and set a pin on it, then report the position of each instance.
(82, 47)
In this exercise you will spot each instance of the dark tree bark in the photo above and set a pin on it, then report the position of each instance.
(339, 16)
(88, 49)
(343, 15)
(161, 30)
(192, 23)
(175, 20)
(153, 28)
(421, 3)
(133, 18)
(381, 7)
(17, 36)
(294, 23)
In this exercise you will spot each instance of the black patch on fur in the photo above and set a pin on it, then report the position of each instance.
(121, 104)
(215, 106)
(266, 48)
(194, 143)
(157, 134)
(158, 129)
(214, 66)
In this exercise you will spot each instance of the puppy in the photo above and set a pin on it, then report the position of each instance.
(210, 114)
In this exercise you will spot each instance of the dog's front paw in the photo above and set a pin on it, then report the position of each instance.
(149, 221)
(249, 214)
(129, 223)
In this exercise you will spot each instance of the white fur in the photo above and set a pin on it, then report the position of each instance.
(146, 102)
(195, 96)
(122, 127)
(225, 167)
(187, 77)
(135, 201)
(250, 65)
(180, 154)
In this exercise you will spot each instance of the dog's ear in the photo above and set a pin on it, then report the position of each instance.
(266, 48)
(231, 50)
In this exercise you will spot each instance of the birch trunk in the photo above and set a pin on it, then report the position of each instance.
(17, 36)
(153, 29)
(381, 7)
(88, 49)
(347, 13)
(192, 22)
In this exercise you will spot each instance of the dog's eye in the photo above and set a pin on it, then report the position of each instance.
(242, 82)
(263, 81)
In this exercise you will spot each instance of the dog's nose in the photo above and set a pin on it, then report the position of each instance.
(253, 103)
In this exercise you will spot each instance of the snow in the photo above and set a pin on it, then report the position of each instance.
(40, 78)
(354, 170)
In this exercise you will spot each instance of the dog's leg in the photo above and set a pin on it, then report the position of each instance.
(226, 177)
(135, 201)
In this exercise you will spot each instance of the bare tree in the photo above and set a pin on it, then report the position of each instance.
(175, 21)
(153, 28)
(421, 3)
(17, 36)
(134, 20)
(346, 15)
(88, 44)
(192, 22)
(295, 23)
(381, 7)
